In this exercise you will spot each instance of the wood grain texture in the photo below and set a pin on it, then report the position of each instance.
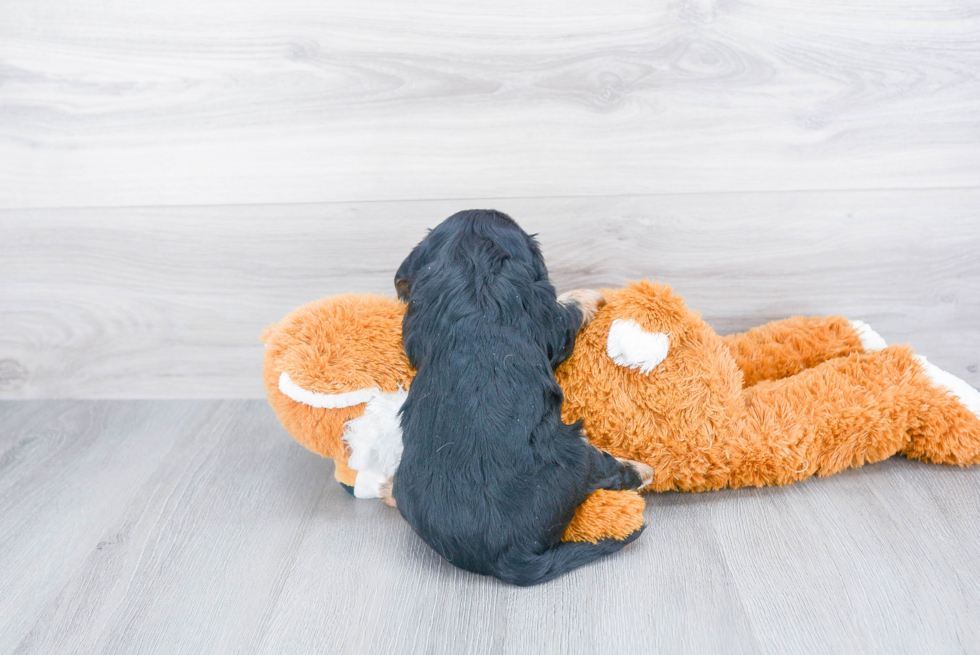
(200, 526)
(67, 471)
(190, 103)
(170, 302)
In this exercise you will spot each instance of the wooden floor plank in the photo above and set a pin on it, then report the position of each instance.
(170, 302)
(878, 541)
(197, 554)
(155, 526)
(233, 102)
(67, 470)
(653, 594)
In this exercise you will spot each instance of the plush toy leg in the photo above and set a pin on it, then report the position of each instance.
(344, 474)
(606, 514)
(952, 433)
(847, 412)
(783, 348)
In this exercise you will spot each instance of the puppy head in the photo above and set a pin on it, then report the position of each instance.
(328, 362)
(484, 238)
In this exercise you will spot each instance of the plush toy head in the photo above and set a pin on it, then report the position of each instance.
(336, 374)
(338, 365)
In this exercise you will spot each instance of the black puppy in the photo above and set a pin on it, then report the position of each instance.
(490, 476)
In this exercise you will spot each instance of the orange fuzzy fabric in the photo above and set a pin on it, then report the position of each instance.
(780, 349)
(773, 405)
(696, 422)
(606, 515)
(334, 345)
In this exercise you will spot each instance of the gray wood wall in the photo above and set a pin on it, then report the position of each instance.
(175, 176)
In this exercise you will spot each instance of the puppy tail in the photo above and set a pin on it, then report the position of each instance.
(526, 569)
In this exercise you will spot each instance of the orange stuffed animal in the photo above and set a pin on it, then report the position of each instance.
(651, 382)
(774, 405)
(336, 375)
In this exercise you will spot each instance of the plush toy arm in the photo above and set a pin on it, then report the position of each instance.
(782, 348)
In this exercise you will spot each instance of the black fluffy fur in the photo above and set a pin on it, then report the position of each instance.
(490, 476)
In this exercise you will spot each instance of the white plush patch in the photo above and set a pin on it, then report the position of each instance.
(870, 340)
(631, 346)
(966, 394)
(324, 400)
(367, 484)
(375, 442)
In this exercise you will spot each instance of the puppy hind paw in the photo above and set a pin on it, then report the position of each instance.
(587, 300)
(643, 470)
(385, 493)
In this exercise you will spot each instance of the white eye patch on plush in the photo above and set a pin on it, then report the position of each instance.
(324, 400)
(631, 346)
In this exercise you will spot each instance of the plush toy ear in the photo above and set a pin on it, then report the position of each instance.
(631, 346)
(606, 514)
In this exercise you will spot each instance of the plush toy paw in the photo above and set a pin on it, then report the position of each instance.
(588, 300)
(967, 395)
(870, 340)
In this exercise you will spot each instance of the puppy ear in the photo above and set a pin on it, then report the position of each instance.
(402, 288)
(409, 268)
(537, 259)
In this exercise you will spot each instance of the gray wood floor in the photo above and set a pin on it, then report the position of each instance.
(199, 526)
